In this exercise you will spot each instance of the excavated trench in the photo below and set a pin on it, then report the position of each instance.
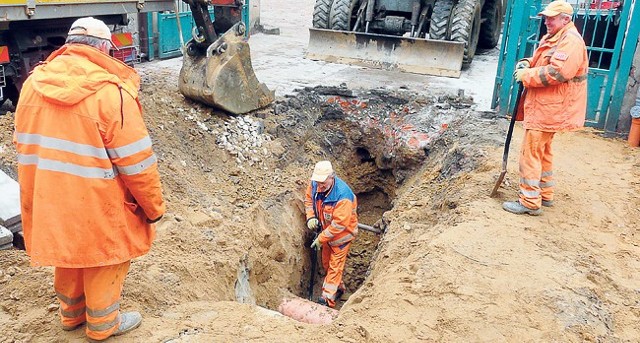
(376, 140)
(373, 201)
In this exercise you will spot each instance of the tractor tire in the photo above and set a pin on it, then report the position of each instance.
(341, 15)
(490, 29)
(465, 27)
(321, 11)
(440, 19)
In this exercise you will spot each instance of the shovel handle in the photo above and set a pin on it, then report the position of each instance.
(507, 143)
(512, 123)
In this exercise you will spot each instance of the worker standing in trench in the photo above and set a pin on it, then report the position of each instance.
(330, 205)
(89, 183)
(555, 100)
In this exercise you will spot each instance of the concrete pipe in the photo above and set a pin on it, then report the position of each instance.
(306, 311)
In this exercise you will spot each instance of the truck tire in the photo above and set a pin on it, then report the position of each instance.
(465, 27)
(490, 29)
(341, 12)
(321, 14)
(10, 93)
(440, 19)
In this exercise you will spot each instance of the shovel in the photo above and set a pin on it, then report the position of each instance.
(507, 142)
(314, 266)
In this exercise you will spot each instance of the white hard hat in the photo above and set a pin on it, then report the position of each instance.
(90, 26)
(322, 171)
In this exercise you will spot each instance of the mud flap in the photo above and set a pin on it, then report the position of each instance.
(223, 77)
(412, 55)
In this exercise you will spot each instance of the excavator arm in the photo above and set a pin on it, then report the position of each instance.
(204, 25)
(216, 68)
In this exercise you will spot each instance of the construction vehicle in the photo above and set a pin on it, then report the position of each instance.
(434, 37)
(216, 69)
(221, 76)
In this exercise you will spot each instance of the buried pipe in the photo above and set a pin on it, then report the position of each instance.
(306, 311)
(369, 228)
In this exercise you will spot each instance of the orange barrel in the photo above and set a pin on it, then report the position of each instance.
(634, 133)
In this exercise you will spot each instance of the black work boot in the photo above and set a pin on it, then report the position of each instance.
(323, 301)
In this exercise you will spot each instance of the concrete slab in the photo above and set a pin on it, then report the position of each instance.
(17, 227)
(6, 237)
(10, 200)
(6, 246)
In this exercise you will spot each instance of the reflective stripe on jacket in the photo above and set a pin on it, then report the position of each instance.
(556, 84)
(88, 176)
(336, 212)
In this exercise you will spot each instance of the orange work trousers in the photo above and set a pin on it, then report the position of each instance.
(333, 261)
(536, 172)
(91, 295)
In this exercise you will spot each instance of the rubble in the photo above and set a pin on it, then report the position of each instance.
(6, 238)
(10, 220)
(242, 136)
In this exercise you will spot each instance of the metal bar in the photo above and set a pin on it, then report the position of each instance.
(151, 34)
(593, 36)
(369, 228)
(517, 19)
(246, 18)
(606, 34)
(49, 11)
(626, 61)
(180, 34)
(626, 9)
(501, 61)
(590, 48)
(200, 13)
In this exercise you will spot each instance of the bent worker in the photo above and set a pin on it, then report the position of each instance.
(89, 184)
(555, 100)
(331, 206)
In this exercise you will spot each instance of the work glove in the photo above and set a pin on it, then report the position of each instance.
(523, 64)
(519, 73)
(313, 223)
(316, 243)
(152, 221)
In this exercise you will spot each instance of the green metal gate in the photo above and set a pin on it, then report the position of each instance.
(168, 37)
(611, 42)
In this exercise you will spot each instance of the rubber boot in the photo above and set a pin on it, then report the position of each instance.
(323, 301)
(517, 208)
(340, 292)
(128, 322)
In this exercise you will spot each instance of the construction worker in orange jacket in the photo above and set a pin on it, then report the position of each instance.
(555, 100)
(89, 184)
(330, 205)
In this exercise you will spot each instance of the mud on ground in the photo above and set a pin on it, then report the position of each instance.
(450, 266)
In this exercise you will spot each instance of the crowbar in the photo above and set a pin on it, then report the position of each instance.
(507, 142)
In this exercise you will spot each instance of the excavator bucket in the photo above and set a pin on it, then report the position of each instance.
(412, 55)
(223, 77)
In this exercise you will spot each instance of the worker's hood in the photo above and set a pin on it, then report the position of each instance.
(76, 71)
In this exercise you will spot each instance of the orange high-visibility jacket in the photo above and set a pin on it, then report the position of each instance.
(556, 84)
(88, 176)
(337, 212)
